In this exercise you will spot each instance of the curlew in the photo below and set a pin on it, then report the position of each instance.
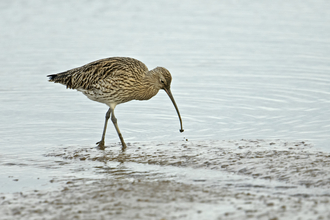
(117, 80)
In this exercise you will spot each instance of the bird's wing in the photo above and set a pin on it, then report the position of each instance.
(86, 76)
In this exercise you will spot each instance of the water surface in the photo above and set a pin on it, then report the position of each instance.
(241, 70)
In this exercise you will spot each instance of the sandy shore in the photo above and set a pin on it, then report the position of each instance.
(246, 179)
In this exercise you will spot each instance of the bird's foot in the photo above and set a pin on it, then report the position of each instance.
(123, 144)
(123, 147)
(100, 145)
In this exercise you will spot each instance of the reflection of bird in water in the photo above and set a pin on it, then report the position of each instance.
(116, 80)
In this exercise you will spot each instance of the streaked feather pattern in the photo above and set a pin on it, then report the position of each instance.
(86, 76)
(116, 80)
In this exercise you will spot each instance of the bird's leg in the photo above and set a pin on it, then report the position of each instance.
(114, 121)
(101, 142)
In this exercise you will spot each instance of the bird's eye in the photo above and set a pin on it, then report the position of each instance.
(162, 81)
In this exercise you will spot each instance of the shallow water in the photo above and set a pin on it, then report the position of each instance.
(241, 70)
(180, 180)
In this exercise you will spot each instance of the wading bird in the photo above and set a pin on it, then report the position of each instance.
(117, 80)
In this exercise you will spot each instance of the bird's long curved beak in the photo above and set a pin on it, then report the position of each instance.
(169, 93)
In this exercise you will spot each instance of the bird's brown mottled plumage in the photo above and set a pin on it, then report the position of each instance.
(87, 75)
(114, 81)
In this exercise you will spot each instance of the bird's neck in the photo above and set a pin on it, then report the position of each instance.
(147, 88)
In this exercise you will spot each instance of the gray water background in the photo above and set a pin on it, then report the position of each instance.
(241, 70)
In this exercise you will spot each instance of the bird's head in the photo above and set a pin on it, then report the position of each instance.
(163, 78)
(163, 81)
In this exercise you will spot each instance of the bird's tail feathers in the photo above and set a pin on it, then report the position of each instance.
(63, 78)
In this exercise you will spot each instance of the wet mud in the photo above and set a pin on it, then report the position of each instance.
(242, 179)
